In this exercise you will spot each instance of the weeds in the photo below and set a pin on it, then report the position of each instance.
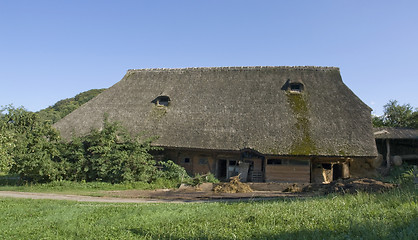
(402, 175)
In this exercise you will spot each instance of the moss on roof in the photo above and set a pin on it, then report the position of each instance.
(303, 145)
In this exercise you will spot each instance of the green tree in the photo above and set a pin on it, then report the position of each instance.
(29, 145)
(396, 115)
(7, 144)
(413, 120)
(377, 121)
(64, 107)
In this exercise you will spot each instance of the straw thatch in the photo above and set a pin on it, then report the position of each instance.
(234, 108)
(395, 133)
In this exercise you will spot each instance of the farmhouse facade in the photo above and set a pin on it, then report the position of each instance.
(282, 124)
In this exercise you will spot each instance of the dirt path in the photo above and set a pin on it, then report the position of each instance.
(204, 193)
(79, 198)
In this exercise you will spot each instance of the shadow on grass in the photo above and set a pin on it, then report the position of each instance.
(10, 180)
(405, 230)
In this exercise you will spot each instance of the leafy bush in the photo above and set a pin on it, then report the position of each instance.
(199, 179)
(402, 175)
(109, 155)
(7, 144)
(30, 148)
(172, 171)
(29, 145)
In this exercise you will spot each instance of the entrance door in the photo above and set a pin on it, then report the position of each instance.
(227, 168)
(222, 169)
(337, 171)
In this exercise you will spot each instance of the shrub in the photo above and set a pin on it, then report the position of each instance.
(172, 171)
(402, 175)
(32, 146)
(110, 155)
(199, 179)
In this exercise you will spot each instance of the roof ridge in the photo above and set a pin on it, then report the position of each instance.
(236, 68)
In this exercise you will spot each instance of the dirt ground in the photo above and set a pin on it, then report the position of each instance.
(257, 190)
(196, 195)
(350, 186)
(168, 194)
(205, 193)
(156, 196)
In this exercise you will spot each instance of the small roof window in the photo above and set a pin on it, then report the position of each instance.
(293, 86)
(296, 87)
(161, 101)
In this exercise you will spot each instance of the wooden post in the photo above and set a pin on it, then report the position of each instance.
(387, 154)
(227, 170)
(310, 171)
(216, 167)
(345, 170)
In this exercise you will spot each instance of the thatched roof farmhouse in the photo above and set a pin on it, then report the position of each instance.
(266, 123)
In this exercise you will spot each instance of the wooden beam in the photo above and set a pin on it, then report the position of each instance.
(387, 154)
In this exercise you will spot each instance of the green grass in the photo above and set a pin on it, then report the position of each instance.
(391, 215)
(8, 183)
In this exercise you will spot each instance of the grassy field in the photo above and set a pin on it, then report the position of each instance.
(392, 215)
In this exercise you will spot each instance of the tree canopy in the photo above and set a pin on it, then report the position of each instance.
(63, 107)
(396, 115)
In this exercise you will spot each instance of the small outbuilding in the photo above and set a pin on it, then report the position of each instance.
(397, 145)
(268, 124)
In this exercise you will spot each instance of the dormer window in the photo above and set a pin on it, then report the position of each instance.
(295, 87)
(161, 101)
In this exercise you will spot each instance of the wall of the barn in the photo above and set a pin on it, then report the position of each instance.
(363, 167)
(271, 168)
(194, 162)
(287, 170)
(328, 169)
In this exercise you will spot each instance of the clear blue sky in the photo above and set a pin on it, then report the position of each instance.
(51, 50)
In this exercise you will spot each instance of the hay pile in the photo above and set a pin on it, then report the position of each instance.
(234, 186)
(293, 188)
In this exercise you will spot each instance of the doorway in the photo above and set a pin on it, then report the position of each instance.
(222, 169)
(337, 171)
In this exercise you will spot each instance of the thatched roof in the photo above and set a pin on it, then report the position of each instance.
(234, 108)
(395, 133)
